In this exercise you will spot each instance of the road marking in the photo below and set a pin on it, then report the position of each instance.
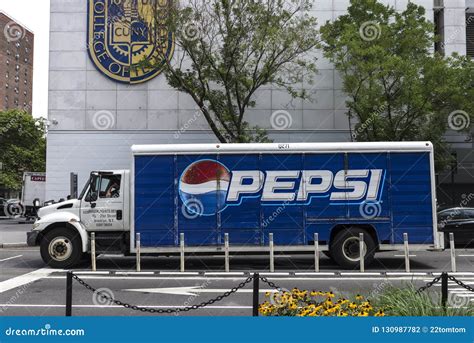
(404, 255)
(466, 255)
(192, 290)
(157, 277)
(10, 258)
(222, 307)
(359, 274)
(25, 279)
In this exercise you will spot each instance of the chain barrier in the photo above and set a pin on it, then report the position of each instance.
(163, 310)
(460, 283)
(428, 285)
(271, 284)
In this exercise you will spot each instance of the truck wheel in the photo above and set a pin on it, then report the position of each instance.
(345, 248)
(61, 248)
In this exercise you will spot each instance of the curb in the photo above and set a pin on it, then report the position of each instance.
(13, 245)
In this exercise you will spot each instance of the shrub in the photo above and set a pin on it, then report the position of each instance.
(406, 302)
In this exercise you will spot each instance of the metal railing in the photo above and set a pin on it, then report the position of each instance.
(272, 248)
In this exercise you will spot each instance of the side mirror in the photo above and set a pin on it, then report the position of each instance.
(91, 197)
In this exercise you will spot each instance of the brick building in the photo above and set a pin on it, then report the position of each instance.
(16, 65)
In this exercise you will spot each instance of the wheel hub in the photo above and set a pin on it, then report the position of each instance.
(60, 248)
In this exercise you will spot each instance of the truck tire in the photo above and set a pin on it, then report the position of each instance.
(61, 248)
(344, 249)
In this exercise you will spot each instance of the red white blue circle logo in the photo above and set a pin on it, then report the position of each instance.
(203, 188)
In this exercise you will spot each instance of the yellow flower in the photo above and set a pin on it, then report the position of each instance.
(359, 297)
(330, 295)
(352, 306)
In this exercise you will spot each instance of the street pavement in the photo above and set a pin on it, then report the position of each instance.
(13, 231)
(28, 287)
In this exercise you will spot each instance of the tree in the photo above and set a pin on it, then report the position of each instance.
(398, 89)
(22, 146)
(228, 49)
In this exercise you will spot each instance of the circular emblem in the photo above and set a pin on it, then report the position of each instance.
(203, 188)
(127, 40)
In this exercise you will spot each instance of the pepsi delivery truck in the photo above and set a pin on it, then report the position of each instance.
(292, 190)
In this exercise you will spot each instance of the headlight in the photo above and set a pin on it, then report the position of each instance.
(35, 225)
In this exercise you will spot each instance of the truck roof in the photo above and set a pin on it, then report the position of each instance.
(150, 149)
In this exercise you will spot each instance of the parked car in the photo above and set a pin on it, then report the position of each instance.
(459, 221)
(2, 207)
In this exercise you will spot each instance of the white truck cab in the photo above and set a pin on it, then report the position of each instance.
(63, 229)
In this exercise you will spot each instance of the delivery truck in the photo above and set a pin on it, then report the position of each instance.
(32, 192)
(201, 192)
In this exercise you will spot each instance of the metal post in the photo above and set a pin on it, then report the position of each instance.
(361, 252)
(272, 256)
(316, 252)
(69, 294)
(256, 290)
(137, 245)
(407, 252)
(94, 266)
(226, 251)
(453, 252)
(444, 289)
(181, 245)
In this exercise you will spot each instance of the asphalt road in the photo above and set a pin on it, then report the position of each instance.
(28, 287)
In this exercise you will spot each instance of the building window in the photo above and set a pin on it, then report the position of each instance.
(470, 34)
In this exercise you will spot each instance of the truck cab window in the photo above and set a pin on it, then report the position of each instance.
(110, 186)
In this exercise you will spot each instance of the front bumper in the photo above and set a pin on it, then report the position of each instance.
(31, 238)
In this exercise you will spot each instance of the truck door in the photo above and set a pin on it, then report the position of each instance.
(102, 206)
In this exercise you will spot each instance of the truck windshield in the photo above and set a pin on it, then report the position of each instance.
(86, 186)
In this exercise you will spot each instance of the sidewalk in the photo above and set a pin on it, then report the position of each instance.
(13, 234)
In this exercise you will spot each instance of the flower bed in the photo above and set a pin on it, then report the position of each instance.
(303, 303)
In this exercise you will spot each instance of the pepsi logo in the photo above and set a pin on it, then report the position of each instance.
(203, 187)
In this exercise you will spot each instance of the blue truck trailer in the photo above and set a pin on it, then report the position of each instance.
(248, 191)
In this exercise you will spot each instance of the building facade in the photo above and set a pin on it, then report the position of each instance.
(16, 65)
(93, 120)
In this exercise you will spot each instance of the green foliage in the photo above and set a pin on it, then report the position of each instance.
(405, 302)
(22, 146)
(228, 49)
(398, 89)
